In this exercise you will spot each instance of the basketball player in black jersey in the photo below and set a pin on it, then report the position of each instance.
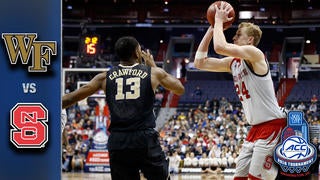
(129, 87)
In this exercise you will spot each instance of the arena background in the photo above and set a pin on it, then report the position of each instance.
(172, 30)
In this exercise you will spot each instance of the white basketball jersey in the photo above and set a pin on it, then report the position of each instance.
(256, 93)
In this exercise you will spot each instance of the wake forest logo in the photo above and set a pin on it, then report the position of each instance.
(23, 45)
(295, 154)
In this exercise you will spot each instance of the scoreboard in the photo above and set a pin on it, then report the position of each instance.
(90, 45)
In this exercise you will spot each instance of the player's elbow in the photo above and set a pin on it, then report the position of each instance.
(199, 59)
(219, 48)
(68, 100)
(196, 63)
(199, 63)
(180, 91)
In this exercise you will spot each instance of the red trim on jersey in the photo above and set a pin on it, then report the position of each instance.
(266, 129)
(234, 59)
(240, 178)
(253, 177)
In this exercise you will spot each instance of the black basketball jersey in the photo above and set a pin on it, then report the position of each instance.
(130, 98)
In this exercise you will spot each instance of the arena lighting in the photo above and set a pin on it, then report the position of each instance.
(262, 9)
(245, 14)
(143, 25)
(308, 41)
(165, 9)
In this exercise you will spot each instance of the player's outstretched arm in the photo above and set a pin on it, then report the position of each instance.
(201, 61)
(202, 51)
(97, 83)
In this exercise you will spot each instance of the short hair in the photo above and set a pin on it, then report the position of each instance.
(252, 30)
(125, 47)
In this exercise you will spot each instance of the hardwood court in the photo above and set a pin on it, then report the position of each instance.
(106, 176)
(185, 176)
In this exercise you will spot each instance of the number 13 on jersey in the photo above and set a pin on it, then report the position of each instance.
(134, 92)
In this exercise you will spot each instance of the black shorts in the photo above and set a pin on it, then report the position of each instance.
(128, 159)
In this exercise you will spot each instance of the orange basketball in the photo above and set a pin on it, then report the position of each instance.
(211, 12)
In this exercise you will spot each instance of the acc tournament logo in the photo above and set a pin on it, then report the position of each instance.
(295, 154)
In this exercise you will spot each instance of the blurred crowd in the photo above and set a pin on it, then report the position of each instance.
(208, 137)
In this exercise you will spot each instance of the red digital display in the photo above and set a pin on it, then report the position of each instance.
(91, 43)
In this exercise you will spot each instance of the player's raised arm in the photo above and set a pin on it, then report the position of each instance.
(159, 76)
(201, 61)
(245, 43)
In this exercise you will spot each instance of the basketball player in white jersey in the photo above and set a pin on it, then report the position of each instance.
(254, 86)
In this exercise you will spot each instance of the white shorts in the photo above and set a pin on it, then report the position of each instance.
(256, 155)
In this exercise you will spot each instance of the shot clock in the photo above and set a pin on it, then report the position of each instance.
(90, 44)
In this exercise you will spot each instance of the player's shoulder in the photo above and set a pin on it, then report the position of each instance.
(101, 76)
(104, 73)
(229, 58)
(252, 53)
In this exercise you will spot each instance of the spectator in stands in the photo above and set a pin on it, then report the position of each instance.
(182, 116)
(207, 106)
(229, 108)
(313, 107)
(204, 162)
(198, 112)
(224, 161)
(174, 162)
(301, 107)
(215, 101)
(67, 158)
(315, 167)
(216, 150)
(293, 107)
(77, 161)
(214, 162)
(314, 99)
(194, 160)
(197, 93)
(65, 161)
(223, 102)
(187, 162)
(232, 160)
